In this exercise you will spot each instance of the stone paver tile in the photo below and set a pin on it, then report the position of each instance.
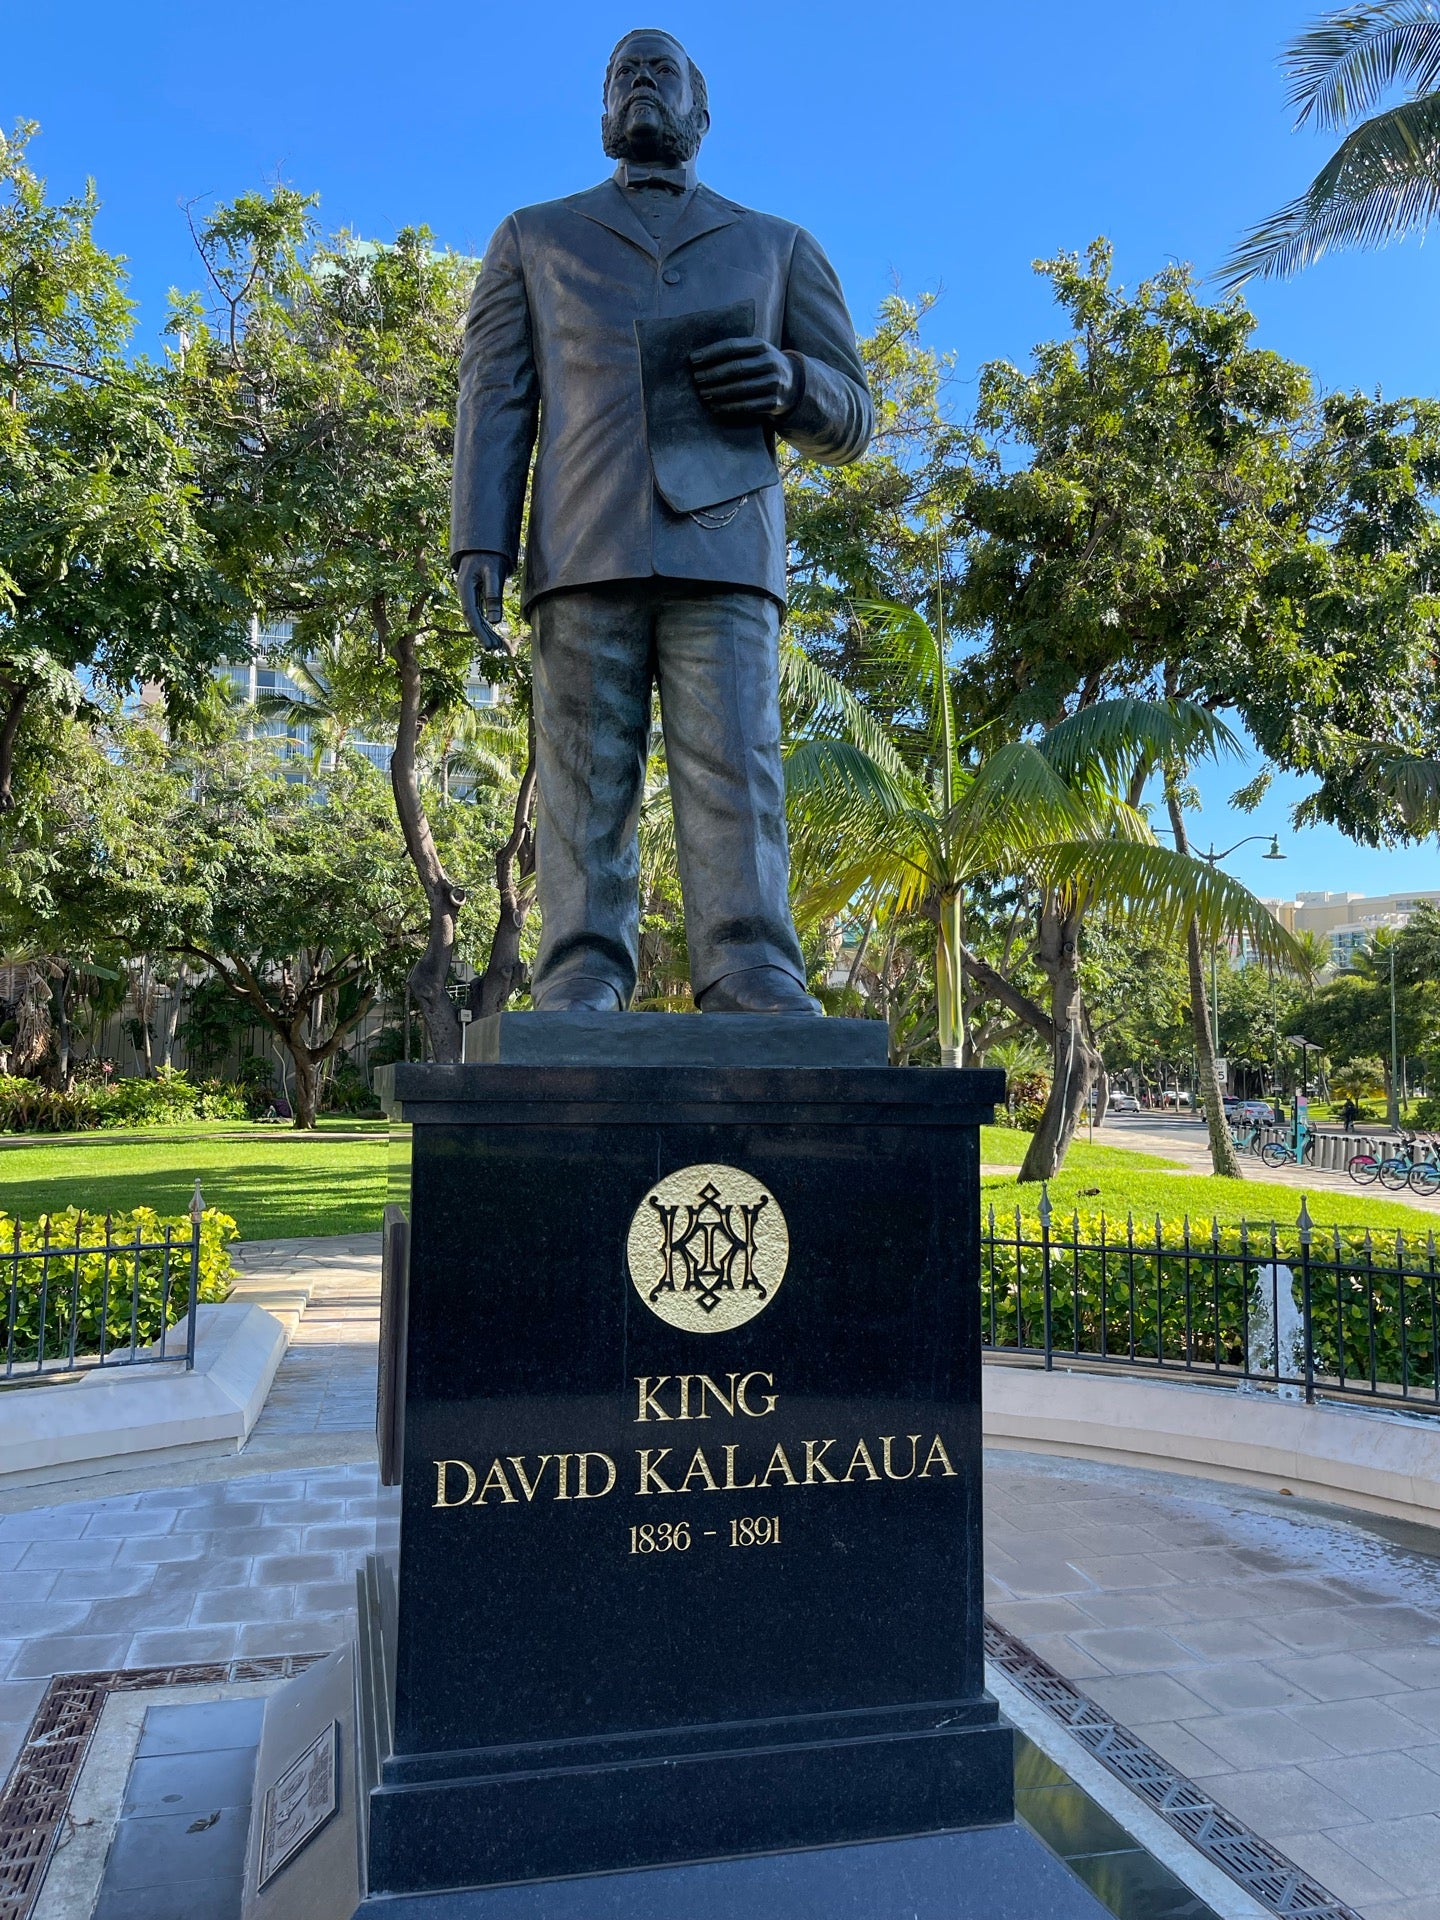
(27, 1584)
(1296, 1594)
(20, 1698)
(1333, 1864)
(1338, 1676)
(328, 1596)
(1384, 1786)
(1136, 1608)
(162, 1649)
(1423, 1707)
(1359, 1726)
(119, 1526)
(1282, 1800)
(1202, 1564)
(290, 1569)
(101, 1583)
(1242, 1601)
(1246, 1687)
(1030, 1578)
(1065, 1656)
(1422, 1909)
(1392, 1628)
(1040, 1616)
(59, 1554)
(233, 1606)
(134, 1613)
(1262, 1559)
(337, 1534)
(995, 1594)
(1416, 1668)
(40, 1523)
(1123, 1572)
(1184, 1747)
(198, 1576)
(1265, 1739)
(1323, 1630)
(70, 1653)
(1133, 1697)
(1228, 1639)
(1134, 1649)
(171, 1546)
(319, 1634)
(10, 1552)
(23, 1620)
(1403, 1853)
(247, 1542)
(1116, 1541)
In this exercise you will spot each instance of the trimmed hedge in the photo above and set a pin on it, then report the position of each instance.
(28, 1107)
(1182, 1289)
(74, 1287)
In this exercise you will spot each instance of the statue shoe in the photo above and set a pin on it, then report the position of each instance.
(582, 994)
(758, 990)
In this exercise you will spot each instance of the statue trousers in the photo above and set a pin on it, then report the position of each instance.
(713, 653)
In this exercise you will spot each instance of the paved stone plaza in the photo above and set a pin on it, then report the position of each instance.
(1285, 1657)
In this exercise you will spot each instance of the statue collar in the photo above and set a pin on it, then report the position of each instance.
(647, 173)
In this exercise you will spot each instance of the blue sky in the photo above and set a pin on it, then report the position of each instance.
(937, 145)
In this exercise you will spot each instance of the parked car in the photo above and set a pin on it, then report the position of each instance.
(1258, 1110)
(1124, 1103)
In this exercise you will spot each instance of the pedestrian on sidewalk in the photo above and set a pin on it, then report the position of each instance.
(1349, 1114)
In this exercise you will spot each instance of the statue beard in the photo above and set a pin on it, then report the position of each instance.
(680, 135)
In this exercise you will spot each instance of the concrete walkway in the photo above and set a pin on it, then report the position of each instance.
(1186, 1139)
(1286, 1656)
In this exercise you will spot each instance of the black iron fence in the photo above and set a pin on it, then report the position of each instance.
(90, 1298)
(1304, 1310)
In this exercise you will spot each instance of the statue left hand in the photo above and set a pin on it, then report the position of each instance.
(745, 380)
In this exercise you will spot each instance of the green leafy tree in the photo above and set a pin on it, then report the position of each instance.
(323, 383)
(107, 574)
(1383, 181)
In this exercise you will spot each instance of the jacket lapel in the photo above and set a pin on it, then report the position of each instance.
(702, 214)
(607, 205)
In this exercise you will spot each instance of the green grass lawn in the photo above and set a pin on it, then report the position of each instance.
(1116, 1180)
(278, 1184)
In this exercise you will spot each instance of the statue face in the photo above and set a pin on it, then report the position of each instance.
(650, 111)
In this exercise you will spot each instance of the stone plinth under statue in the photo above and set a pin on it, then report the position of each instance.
(681, 1385)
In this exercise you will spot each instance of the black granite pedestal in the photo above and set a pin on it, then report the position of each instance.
(681, 1389)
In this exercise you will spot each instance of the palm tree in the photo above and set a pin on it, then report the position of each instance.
(1383, 181)
(893, 811)
(893, 814)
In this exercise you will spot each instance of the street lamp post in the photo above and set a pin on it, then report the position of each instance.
(1212, 859)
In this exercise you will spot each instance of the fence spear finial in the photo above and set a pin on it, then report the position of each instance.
(1304, 1222)
(197, 1204)
(1046, 1210)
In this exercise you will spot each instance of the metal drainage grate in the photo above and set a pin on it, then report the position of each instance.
(36, 1798)
(1252, 1863)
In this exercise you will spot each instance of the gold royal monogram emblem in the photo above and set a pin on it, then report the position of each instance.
(708, 1248)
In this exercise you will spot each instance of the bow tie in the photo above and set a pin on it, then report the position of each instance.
(671, 178)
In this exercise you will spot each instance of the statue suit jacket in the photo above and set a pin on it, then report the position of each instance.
(551, 339)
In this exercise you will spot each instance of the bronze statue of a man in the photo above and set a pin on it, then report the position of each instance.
(661, 338)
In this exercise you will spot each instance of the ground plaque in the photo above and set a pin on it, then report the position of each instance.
(690, 1563)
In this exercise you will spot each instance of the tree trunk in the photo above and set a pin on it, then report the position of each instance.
(1074, 1061)
(1223, 1157)
(514, 864)
(307, 1083)
(9, 730)
(60, 998)
(431, 972)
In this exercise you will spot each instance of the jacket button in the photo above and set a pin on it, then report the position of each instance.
(672, 277)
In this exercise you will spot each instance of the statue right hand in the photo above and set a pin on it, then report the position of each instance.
(480, 582)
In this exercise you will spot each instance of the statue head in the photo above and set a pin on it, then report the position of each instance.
(655, 101)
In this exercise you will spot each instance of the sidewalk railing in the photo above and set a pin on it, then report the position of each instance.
(1304, 1310)
(89, 1299)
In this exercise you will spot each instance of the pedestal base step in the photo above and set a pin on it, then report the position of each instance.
(993, 1873)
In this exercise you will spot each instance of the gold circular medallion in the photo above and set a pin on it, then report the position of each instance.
(708, 1248)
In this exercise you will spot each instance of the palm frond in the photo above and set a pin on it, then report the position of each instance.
(1345, 64)
(835, 779)
(905, 659)
(1382, 183)
(1410, 780)
(1116, 737)
(817, 702)
(1165, 889)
